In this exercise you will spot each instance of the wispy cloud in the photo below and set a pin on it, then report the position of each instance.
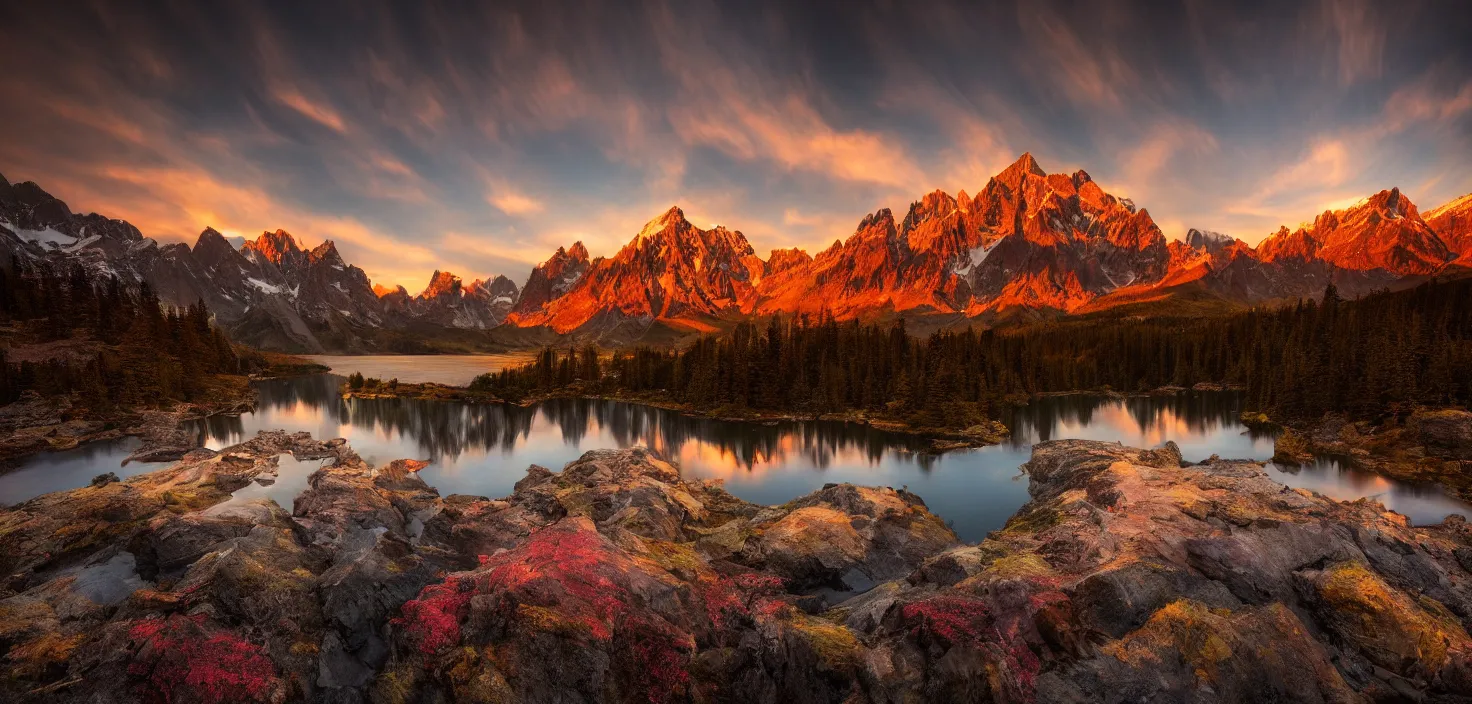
(318, 111)
(513, 203)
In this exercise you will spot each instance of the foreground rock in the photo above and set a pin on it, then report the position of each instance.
(1132, 578)
(373, 586)
(1128, 578)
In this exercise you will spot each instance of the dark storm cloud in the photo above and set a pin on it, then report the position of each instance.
(477, 137)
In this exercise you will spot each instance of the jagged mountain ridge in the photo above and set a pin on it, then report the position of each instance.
(1379, 242)
(448, 302)
(271, 292)
(671, 270)
(1453, 223)
(1026, 240)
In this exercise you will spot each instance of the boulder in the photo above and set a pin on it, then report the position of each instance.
(1129, 576)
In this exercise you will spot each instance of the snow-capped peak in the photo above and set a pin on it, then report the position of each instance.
(1463, 203)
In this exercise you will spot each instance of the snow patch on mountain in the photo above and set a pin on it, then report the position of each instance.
(263, 286)
(974, 257)
(83, 244)
(1463, 203)
(47, 238)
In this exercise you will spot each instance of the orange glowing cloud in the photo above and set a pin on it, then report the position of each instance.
(513, 203)
(318, 111)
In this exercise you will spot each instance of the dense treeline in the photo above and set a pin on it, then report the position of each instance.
(1363, 357)
(129, 349)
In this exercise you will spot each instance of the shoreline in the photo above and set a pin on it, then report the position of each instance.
(36, 424)
(44, 425)
(1431, 446)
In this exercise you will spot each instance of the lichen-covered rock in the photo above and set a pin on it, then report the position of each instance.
(612, 579)
(1130, 576)
(845, 537)
(1133, 577)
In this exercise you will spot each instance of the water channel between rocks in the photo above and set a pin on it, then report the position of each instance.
(485, 449)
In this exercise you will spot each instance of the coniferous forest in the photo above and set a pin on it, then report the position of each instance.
(1383, 353)
(129, 350)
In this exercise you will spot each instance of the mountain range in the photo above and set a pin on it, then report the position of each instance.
(1028, 242)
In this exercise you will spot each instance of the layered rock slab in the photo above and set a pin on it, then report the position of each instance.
(1129, 576)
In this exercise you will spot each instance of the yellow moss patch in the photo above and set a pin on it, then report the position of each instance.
(475, 679)
(1026, 564)
(1291, 448)
(930, 530)
(1035, 521)
(674, 557)
(20, 616)
(576, 500)
(547, 620)
(33, 658)
(76, 532)
(1187, 626)
(836, 646)
(395, 685)
(1390, 628)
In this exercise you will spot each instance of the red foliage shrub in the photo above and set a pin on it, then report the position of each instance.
(581, 578)
(1025, 664)
(433, 620)
(729, 599)
(660, 659)
(570, 570)
(181, 661)
(956, 620)
(966, 621)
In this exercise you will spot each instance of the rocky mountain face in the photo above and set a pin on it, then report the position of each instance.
(1453, 223)
(1380, 242)
(671, 270)
(1026, 240)
(1130, 576)
(550, 280)
(447, 302)
(270, 292)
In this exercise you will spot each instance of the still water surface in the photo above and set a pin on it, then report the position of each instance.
(485, 449)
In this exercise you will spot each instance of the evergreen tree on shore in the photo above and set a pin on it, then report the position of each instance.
(147, 355)
(1382, 353)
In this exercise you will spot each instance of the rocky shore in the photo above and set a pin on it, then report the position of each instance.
(1128, 577)
(38, 423)
(1427, 445)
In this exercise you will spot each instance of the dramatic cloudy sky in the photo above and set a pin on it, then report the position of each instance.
(478, 137)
